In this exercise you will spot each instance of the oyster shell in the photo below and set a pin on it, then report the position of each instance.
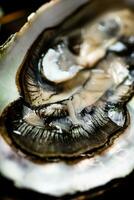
(73, 97)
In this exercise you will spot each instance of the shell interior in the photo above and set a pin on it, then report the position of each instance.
(71, 96)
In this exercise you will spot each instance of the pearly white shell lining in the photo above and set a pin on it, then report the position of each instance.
(49, 15)
(60, 178)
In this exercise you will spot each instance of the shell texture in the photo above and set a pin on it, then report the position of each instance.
(67, 97)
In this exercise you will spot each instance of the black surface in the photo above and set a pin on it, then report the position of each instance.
(117, 189)
(12, 5)
(124, 190)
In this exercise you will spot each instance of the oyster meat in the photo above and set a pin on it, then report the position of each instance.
(68, 97)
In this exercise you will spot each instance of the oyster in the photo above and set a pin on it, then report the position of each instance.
(68, 96)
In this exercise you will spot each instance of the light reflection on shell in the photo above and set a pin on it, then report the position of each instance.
(71, 116)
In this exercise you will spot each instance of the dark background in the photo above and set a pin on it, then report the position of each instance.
(10, 23)
(11, 5)
(13, 23)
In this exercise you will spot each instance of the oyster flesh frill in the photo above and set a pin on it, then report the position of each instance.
(74, 85)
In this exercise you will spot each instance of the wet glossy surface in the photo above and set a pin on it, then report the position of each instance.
(10, 192)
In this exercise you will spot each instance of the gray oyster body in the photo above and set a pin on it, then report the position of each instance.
(66, 104)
